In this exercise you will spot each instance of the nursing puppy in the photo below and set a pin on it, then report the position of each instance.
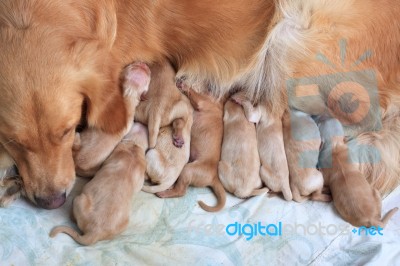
(163, 104)
(205, 149)
(166, 161)
(95, 145)
(274, 171)
(355, 200)
(302, 143)
(102, 210)
(240, 162)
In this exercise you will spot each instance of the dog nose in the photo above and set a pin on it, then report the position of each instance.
(52, 202)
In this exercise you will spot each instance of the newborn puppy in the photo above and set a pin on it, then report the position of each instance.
(102, 210)
(10, 185)
(354, 198)
(302, 143)
(163, 104)
(95, 145)
(274, 171)
(205, 149)
(240, 163)
(166, 161)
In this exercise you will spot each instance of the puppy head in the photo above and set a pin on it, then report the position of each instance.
(47, 70)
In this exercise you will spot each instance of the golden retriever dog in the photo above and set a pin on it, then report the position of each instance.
(166, 161)
(96, 145)
(274, 171)
(50, 69)
(354, 198)
(302, 143)
(205, 149)
(163, 104)
(102, 210)
(239, 166)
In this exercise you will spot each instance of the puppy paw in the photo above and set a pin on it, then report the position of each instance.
(136, 79)
(162, 194)
(10, 190)
(178, 141)
(183, 86)
(180, 82)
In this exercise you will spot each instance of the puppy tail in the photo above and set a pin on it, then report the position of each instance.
(259, 191)
(388, 216)
(219, 193)
(158, 188)
(81, 239)
(287, 193)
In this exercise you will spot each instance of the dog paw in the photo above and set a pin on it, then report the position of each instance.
(136, 79)
(178, 141)
(10, 190)
(180, 82)
(161, 194)
(183, 86)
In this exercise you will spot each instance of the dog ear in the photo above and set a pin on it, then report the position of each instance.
(105, 106)
(98, 18)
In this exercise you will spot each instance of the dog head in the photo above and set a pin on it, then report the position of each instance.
(47, 71)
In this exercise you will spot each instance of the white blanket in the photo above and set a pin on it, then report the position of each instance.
(178, 232)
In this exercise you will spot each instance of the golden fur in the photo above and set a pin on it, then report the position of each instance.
(166, 161)
(239, 166)
(48, 68)
(354, 198)
(302, 155)
(102, 210)
(205, 149)
(93, 146)
(163, 104)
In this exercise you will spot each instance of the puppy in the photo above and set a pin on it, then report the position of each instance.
(240, 163)
(102, 210)
(354, 198)
(163, 104)
(274, 171)
(10, 186)
(166, 161)
(96, 145)
(302, 143)
(205, 149)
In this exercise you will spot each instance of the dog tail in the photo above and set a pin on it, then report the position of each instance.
(220, 193)
(388, 216)
(161, 187)
(259, 191)
(81, 239)
(287, 193)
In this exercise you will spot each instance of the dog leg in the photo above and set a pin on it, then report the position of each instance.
(178, 125)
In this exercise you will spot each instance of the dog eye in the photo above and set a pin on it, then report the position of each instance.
(67, 132)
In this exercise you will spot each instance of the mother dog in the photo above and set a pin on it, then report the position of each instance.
(62, 56)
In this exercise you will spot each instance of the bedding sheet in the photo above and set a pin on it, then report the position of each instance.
(261, 230)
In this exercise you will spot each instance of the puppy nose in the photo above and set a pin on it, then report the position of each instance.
(51, 202)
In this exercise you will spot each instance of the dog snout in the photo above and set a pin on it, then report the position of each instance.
(51, 202)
